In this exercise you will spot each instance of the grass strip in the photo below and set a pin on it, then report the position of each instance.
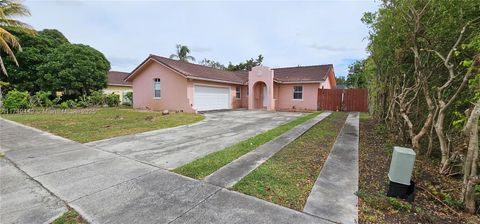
(102, 123)
(288, 177)
(69, 217)
(210, 163)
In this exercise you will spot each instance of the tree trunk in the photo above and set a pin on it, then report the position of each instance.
(470, 176)
(442, 139)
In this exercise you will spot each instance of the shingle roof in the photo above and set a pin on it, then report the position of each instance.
(117, 78)
(314, 73)
(201, 71)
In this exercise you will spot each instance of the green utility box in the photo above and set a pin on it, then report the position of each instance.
(401, 167)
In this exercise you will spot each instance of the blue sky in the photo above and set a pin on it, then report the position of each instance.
(285, 33)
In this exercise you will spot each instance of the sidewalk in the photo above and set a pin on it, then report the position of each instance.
(333, 195)
(23, 200)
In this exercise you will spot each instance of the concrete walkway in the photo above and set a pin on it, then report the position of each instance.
(231, 173)
(23, 200)
(173, 147)
(333, 195)
(108, 188)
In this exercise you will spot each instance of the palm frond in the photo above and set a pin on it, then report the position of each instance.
(21, 26)
(4, 70)
(9, 8)
(173, 56)
(9, 38)
(4, 46)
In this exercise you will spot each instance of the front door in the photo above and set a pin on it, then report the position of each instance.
(265, 99)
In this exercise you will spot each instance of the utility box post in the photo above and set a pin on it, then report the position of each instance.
(400, 174)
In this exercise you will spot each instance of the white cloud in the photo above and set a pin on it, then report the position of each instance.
(286, 33)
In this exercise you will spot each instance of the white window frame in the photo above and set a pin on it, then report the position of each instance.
(294, 91)
(155, 81)
(238, 90)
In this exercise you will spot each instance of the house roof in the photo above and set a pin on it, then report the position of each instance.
(200, 71)
(315, 73)
(116, 78)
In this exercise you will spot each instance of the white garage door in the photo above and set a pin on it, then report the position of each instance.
(211, 98)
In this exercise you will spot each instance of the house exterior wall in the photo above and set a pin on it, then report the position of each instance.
(265, 75)
(286, 101)
(325, 84)
(177, 92)
(119, 90)
(173, 88)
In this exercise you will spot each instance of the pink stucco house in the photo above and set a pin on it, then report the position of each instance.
(161, 83)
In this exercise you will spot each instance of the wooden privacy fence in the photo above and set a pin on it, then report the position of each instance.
(343, 99)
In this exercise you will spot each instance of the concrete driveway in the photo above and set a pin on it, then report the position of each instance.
(171, 148)
(41, 174)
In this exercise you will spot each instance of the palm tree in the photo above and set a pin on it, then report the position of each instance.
(8, 42)
(182, 53)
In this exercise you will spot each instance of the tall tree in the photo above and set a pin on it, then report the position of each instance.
(247, 65)
(213, 64)
(9, 9)
(182, 54)
(76, 69)
(357, 76)
(35, 49)
(340, 80)
(424, 54)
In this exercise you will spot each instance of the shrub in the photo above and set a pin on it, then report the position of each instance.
(97, 98)
(15, 100)
(129, 98)
(67, 104)
(82, 101)
(112, 100)
(41, 99)
(56, 100)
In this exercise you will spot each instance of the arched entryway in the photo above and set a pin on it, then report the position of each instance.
(260, 95)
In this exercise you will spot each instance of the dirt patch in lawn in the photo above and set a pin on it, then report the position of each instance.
(435, 200)
(288, 177)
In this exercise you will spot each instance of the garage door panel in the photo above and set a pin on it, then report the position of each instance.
(211, 98)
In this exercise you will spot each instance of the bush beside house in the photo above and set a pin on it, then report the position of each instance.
(19, 100)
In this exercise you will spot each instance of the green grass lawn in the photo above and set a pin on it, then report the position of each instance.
(205, 166)
(288, 177)
(103, 123)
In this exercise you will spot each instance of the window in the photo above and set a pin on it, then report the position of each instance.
(238, 92)
(298, 92)
(156, 88)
